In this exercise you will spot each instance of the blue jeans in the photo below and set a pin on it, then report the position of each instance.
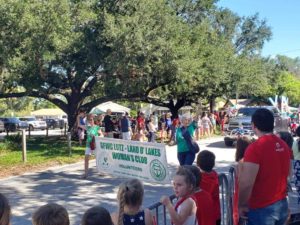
(186, 158)
(151, 137)
(275, 214)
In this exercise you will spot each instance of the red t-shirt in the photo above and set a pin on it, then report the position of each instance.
(205, 208)
(210, 183)
(141, 123)
(273, 157)
(175, 122)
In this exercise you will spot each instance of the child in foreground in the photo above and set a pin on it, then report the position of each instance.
(184, 212)
(51, 214)
(96, 216)
(4, 210)
(209, 180)
(130, 198)
(204, 202)
(241, 146)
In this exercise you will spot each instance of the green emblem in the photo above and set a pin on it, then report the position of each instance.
(105, 161)
(157, 170)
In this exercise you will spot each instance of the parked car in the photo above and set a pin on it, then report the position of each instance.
(33, 123)
(12, 124)
(54, 123)
(241, 123)
(65, 119)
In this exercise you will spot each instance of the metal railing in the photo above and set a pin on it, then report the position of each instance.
(156, 206)
(227, 189)
(226, 209)
(226, 200)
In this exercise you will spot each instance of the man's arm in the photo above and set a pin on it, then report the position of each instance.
(246, 181)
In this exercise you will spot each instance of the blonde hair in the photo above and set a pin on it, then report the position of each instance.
(4, 210)
(130, 193)
(51, 214)
(90, 116)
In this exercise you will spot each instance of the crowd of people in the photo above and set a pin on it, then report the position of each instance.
(151, 128)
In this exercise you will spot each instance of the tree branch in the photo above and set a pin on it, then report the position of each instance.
(100, 100)
(61, 104)
(156, 101)
(89, 86)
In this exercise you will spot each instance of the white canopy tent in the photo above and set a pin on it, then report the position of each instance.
(149, 109)
(49, 113)
(114, 107)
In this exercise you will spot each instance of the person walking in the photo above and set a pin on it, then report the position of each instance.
(199, 130)
(108, 124)
(184, 154)
(125, 127)
(141, 127)
(151, 130)
(206, 124)
(263, 175)
(81, 126)
(92, 131)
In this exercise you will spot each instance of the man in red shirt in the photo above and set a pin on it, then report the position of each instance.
(263, 175)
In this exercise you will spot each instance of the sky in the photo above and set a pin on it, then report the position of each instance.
(283, 16)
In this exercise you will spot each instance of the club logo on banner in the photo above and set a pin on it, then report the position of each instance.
(143, 160)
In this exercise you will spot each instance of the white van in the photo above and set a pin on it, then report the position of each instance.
(33, 123)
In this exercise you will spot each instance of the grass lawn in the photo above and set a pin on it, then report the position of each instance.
(42, 152)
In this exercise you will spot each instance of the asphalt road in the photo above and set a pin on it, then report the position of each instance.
(51, 132)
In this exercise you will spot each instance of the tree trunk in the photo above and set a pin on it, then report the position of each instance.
(175, 108)
(174, 112)
(212, 104)
(72, 121)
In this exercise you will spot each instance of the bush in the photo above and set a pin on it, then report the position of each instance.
(3, 148)
(16, 138)
(11, 142)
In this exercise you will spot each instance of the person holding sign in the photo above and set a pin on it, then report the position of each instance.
(92, 131)
(184, 154)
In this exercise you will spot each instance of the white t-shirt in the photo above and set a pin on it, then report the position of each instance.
(192, 219)
(206, 122)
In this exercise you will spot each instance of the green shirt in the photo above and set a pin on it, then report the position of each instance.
(91, 131)
(181, 143)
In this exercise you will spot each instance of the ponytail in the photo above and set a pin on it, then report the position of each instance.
(122, 205)
(130, 193)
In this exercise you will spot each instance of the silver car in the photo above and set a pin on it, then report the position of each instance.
(34, 124)
(241, 123)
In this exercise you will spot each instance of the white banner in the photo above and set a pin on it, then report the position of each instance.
(143, 160)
